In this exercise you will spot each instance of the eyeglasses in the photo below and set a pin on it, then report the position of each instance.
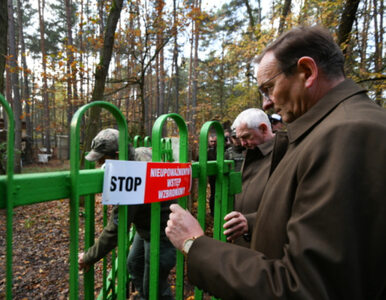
(264, 91)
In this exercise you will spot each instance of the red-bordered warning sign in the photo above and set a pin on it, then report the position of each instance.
(137, 182)
(167, 181)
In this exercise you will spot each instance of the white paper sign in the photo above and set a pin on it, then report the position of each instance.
(124, 182)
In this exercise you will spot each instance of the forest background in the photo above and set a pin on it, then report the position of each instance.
(154, 57)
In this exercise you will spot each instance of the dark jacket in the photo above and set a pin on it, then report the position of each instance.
(321, 227)
(255, 173)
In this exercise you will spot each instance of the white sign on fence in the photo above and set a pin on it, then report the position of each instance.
(139, 182)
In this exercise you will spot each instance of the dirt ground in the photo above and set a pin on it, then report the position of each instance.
(41, 250)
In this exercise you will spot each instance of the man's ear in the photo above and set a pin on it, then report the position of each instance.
(307, 66)
(263, 128)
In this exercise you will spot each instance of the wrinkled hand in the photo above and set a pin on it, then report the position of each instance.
(81, 263)
(181, 226)
(235, 226)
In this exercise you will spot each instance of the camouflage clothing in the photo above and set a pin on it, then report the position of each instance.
(236, 154)
(106, 143)
(143, 154)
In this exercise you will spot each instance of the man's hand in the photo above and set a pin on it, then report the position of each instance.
(81, 263)
(181, 226)
(235, 226)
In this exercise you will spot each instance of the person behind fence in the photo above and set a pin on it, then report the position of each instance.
(227, 138)
(253, 128)
(236, 151)
(320, 228)
(105, 146)
(276, 122)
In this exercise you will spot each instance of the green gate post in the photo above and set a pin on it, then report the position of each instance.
(156, 207)
(202, 182)
(137, 141)
(9, 194)
(147, 141)
(74, 199)
(89, 207)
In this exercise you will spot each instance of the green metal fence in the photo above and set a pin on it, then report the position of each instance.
(28, 189)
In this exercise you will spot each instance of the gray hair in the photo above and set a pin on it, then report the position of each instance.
(252, 117)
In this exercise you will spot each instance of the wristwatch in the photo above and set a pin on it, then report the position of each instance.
(186, 245)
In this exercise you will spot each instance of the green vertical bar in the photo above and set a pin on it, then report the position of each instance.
(104, 270)
(155, 216)
(224, 205)
(89, 207)
(219, 181)
(137, 141)
(202, 187)
(74, 203)
(122, 236)
(158, 142)
(203, 163)
(9, 194)
(74, 199)
(147, 141)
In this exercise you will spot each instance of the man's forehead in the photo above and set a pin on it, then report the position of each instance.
(267, 66)
(242, 129)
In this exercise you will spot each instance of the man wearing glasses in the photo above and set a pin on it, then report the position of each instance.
(320, 229)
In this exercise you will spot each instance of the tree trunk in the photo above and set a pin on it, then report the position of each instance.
(46, 130)
(82, 82)
(102, 69)
(284, 14)
(70, 59)
(378, 36)
(3, 41)
(14, 72)
(26, 93)
(364, 34)
(175, 58)
(197, 23)
(160, 38)
(346, 22)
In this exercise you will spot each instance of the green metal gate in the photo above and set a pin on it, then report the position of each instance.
(27, 189)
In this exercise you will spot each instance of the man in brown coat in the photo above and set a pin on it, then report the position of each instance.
(320, 229)
(253, 128)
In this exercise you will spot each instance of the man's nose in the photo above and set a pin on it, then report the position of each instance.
(267, 103)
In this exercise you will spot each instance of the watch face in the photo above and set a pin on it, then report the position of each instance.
(188, 243)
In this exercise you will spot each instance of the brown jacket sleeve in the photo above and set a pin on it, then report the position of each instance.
(235, 272)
